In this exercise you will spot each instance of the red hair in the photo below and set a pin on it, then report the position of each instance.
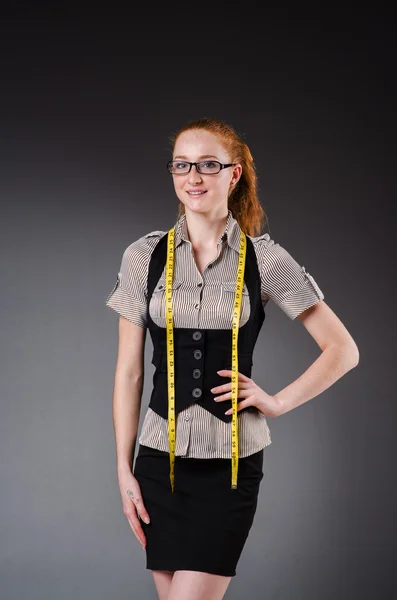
(243, 198)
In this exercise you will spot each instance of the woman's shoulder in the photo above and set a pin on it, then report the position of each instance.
(142, 247)
(262, 242)
(157, 233)
(146, 241)
(270, 254)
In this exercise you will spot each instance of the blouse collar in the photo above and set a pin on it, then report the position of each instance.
(231, 232)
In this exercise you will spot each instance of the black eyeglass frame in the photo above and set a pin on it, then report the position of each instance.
(221, 166)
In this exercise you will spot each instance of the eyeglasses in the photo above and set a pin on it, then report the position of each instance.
(206, 167)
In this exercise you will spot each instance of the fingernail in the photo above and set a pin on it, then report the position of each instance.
(146, 519)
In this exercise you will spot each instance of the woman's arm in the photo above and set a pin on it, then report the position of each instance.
(339, 355)
(127, 397)
(127, 393)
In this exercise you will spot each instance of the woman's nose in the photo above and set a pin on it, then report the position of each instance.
(194, 175)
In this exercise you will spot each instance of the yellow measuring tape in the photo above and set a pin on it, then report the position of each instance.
(169, 275)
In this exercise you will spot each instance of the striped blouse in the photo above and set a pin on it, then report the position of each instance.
(205, 301)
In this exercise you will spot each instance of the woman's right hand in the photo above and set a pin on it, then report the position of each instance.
(133, 506)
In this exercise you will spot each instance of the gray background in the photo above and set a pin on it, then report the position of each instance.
(86, 110)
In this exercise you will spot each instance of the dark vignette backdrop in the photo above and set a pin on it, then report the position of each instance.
(87, 105)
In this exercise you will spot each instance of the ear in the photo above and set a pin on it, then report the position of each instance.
(237, 172)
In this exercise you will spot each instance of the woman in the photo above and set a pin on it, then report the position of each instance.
(192, 496)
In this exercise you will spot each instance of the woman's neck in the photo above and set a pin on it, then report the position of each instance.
(203, 231)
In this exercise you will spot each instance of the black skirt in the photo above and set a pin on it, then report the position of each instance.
(204, 524)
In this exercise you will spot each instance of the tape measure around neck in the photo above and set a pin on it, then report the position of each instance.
(169, 276)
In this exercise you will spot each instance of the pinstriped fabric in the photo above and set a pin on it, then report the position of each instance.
(205, 301)
(200, 434)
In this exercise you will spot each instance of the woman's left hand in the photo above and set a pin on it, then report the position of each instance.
(254, 395)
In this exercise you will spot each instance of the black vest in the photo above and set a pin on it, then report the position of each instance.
(200, 353)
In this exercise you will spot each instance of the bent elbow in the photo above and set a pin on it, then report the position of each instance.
(353, 356)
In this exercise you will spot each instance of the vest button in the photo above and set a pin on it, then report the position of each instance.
(199, 284)
(197, 354)
(197, 335)
(196, 373)
(196, 392)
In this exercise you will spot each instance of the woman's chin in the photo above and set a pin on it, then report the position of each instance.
(198, 205)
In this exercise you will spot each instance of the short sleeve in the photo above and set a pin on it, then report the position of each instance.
(285, 281)
(129, 294)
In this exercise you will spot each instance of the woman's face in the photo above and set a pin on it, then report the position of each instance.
(196, 145)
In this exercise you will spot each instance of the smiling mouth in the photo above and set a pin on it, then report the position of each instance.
(196, 193)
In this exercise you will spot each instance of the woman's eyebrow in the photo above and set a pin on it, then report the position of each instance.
(200, 157)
